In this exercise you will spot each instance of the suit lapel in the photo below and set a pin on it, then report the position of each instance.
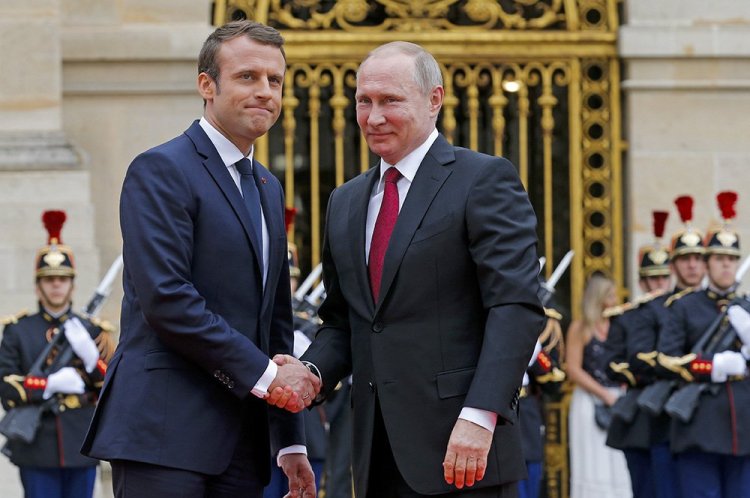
(359, 202)
(271, 214)
(218, 170)
(427, 182)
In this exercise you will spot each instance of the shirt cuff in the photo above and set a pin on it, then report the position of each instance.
(295, 448)
(261, 387)
(482, 418)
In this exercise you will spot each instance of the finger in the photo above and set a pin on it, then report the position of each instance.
(471, 470)
(286, 395)
(449, 463)
(481, 468)
(460, 471)
(273, 396)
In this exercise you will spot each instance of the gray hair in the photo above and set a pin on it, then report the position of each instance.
(427, 74)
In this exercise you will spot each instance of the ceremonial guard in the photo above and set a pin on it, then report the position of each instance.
(543, 378)
(702, 348)
(58, 384)
(631, 344)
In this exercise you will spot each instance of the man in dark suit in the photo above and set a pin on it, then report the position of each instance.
(430, 269)
(207, 298)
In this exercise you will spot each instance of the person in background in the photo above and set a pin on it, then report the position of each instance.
(712, 444)
(596, 471)
(543, 378)
(631, 346)
(51, 465)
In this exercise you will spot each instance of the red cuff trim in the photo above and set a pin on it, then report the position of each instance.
(35, 383)
(102, 367)
(699, 366)
(544, 361)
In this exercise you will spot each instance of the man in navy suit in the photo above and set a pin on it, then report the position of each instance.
(207, 299)
(430, 270)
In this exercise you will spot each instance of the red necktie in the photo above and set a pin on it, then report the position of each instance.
(383, 227)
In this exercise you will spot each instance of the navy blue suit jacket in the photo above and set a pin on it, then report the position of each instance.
(197, 327)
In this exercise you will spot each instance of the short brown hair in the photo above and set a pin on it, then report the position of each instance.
(254, 30)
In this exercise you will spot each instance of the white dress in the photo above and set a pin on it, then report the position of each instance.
(596, 470)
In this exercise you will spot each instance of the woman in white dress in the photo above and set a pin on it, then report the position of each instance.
(596, 471)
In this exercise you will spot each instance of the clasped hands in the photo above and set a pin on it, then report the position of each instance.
(295, 386)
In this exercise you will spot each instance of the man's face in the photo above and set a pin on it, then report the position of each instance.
(392, 111)
(54, 292)
(689, 269)
(655, 283)
(247, 99)
(721, 270)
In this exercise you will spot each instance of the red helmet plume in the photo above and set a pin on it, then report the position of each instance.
(53, 222)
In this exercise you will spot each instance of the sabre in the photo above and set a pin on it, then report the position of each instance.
(742, 269)
(103, 289)
(550, 284)
(316, 294)
(305, 286)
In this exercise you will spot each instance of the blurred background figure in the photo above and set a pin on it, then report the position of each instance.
(52, 364)
(596, 471)
(542, 379)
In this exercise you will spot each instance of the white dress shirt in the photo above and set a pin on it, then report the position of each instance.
(230, 154)
(408, 167)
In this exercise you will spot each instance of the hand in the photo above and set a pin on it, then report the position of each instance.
(466, 458)
(298, 385)
(740, 320)
(727, 363)
(297, 469)
(66, 380)
(83, 345)
(610, 397)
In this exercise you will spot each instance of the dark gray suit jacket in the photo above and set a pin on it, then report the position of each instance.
(457, 319)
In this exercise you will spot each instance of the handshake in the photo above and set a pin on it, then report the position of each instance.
(295, 386)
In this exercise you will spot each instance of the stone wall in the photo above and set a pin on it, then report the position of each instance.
(687, 120)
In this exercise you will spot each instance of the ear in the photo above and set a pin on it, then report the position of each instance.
(436, 100)
(206, 86)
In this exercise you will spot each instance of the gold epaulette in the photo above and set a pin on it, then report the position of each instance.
(624, 370)
(102, 324)
(552, 313)
(648, 358)
(677, 364)
(6, 320)
(554, 375)
(650, 296)
(618, 310)
(680, 295)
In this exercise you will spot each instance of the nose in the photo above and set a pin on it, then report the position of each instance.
(263, 89)
(376, 116)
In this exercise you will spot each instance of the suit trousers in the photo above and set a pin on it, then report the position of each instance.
(386, 481)
(144, 480)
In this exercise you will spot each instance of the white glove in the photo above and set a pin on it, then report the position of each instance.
(727, 363)
(66, 380)
(83, 345)
(740, 320)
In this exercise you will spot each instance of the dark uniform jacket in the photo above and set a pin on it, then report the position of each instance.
(631, 347)
(545, 379)
(719, 424)
(62, 429)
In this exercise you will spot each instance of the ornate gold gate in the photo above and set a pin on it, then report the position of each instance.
(534, 81)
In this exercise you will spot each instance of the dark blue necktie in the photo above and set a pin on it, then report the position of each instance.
(251, 197)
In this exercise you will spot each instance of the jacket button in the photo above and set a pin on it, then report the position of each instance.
(377, 327)
(372, 386)
(217, 373)
(230, 385)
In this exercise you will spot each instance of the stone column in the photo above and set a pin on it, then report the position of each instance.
(687, 90)
(39, 168)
